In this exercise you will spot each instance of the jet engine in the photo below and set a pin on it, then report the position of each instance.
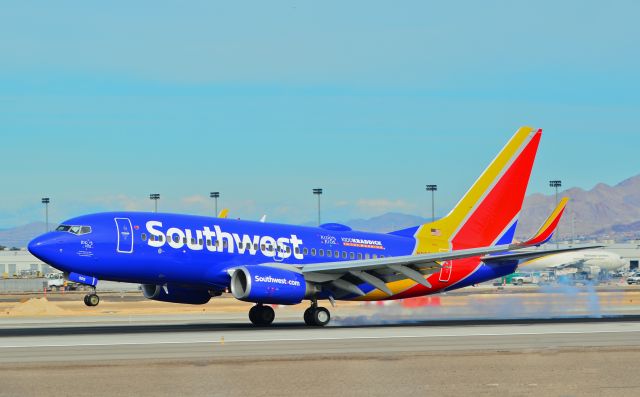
(266, 284)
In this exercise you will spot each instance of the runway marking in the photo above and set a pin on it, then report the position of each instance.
(317, 339)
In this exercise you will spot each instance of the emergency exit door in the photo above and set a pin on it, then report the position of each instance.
(125, 235)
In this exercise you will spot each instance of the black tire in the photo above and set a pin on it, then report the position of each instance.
(308, 317)
(253, 315)
(86, 300)
(93, 300)
(321, 317)
(266, 315)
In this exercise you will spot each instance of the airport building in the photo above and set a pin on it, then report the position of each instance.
(15, 264)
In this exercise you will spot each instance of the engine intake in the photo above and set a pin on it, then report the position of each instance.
(265, 284)
(176, 294)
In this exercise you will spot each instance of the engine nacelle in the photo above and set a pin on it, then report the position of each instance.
(264, 284)
(176, 294)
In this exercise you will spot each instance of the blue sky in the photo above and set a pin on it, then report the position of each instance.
(102, 103)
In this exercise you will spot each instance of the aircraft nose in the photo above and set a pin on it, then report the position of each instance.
(43, 247)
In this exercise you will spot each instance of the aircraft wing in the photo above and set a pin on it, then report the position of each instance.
(378, 271)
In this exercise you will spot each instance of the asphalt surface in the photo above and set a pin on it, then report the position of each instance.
(563, 357)
(188, 341)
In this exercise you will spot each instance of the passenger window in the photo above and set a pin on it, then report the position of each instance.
(262, 247)
(297, 250)
(359, 255)
(336, 254)
(240, 245)
(161, 237)
(288, 250)
(255, 246)
(381, 256)
(321, 252)
(305, 251)
(366, 256)
(352, 255)
(143, 236)
(176, 238)
(225, 244)
(329, 253)
(193, 241)
(184, 240)
(200, 242)
(269, 248)
(375, 256)
(344, 254)
(313, 252)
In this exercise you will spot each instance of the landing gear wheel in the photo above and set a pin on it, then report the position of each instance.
(321, 316)
(308, 316)
(262, 315)
(91, 300)
(253, 314)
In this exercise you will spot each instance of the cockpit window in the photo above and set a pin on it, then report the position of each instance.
(75, 229)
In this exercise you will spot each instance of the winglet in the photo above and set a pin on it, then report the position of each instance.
(223, 213)
(547, 229)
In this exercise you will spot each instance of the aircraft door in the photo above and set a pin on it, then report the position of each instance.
(125, 235)
(445, 271)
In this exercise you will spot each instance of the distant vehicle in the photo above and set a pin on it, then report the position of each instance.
(634, 279)
(521, 278)
(57, 282)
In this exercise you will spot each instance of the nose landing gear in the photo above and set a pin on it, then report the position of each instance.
(92, 299)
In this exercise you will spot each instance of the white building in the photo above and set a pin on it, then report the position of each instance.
(18, 263)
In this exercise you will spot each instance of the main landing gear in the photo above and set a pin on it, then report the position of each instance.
(262, 315)
(92, 299)
(316, 316)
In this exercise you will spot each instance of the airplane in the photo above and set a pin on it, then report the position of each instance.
(591, 262)
(190, 259)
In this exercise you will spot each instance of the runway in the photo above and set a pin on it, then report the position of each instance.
(510, 343)
(197, 341)
(506, 357)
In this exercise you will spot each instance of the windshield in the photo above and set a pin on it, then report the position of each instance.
(74, 229)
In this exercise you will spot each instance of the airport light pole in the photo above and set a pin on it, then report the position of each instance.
(433, 189)
(155, 197)
(556, 184)
(45, 201)
(214, 196)
(318, 192)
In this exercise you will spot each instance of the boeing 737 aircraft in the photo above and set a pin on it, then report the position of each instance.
(190, 259)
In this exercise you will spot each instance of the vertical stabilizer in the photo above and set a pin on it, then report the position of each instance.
(488, 212)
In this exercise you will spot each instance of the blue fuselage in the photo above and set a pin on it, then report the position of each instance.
(152, 248)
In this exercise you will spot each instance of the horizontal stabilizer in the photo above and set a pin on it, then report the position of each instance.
(547, 229)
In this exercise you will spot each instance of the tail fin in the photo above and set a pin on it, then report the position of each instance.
(487, 214)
